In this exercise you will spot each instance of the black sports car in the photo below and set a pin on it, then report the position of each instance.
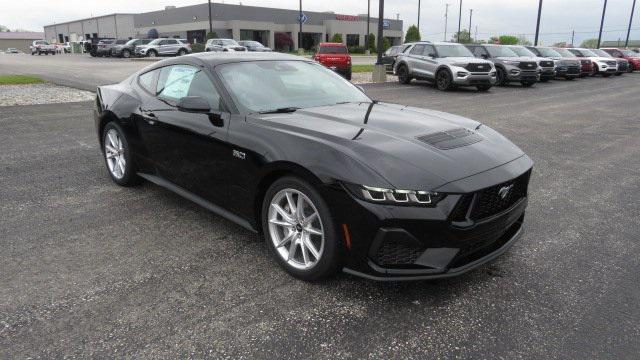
(332, 179)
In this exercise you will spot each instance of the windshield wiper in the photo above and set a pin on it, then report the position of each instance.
(284, 110)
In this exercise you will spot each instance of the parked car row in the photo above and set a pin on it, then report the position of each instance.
(451, 65)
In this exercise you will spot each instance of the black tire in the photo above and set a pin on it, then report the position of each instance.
(329, 262)
(53, 53)
(527, 84)
(182, 52)
(619, 74)
(403, 75)
(544, 80)
(444, 80)
(606, 75)
(126, 54)
(152, 53)
(348, 75)
(595, 70)
(483, 88)
(570, 78)
(130, 177)
(501, 77)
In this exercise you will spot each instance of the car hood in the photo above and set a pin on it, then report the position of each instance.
(400, 143)
(597, 58)
(467, 60)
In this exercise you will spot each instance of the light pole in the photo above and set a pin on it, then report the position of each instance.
(366, 37)
(300, 31)
(418, 16)
(604, 10)
(210, 21)
(379, 70)
(538, 23)
(633, 8)
(446, 20)
(459, 21)
(470, 17)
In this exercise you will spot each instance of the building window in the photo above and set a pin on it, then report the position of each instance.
(60, 38)
(95, 35)
(87, 36)
(353, 40)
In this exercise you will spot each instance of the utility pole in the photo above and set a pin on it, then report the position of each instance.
(470, 17)
(418, 16)
(633, 8)
(210, 21)
(459, 21)
(604, 10)
(476, 35)
(380, 31)
(366, 37)
(573, 36)
(300, 31)
(538, 23)
(446, 21)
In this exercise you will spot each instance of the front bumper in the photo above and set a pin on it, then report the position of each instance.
(516, 74)
(568, 71)
(463, 78)
(394, 243)
(548, 74)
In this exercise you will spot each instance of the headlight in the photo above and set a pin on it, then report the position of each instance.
(394, 196)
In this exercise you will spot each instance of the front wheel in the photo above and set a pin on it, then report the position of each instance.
(118, 156)
(126, 54)
(299, 230)
(569, 78)
(152, 53)
(403, 75)
(501, 77)
(527, 84)
(606, 75)
(444, 80)
(181, 52)
(619, 74)
(483, 88)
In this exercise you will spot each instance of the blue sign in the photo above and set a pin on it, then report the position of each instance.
(302, 18)
(386, 24)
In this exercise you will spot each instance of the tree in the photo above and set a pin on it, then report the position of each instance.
(562, 44)
(522, 40)
(508, 40)
(464, 36)
(372, 43)
(494, 40)
(4, 28)
(413, 34)
(590, 43)
(386, 44)
(337, 38)
(212, 35)
(152, 34)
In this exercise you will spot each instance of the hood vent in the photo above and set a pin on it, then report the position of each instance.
(451, 139)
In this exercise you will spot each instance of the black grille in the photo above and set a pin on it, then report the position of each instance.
(394, 253)
(489, 202)
(547, 63)
(612, 63)
(623, 66)
(528, 65)
(574, 70)
(478, 67)
(451, 139)
(585, 62)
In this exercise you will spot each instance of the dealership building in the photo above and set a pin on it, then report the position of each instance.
(275, 28)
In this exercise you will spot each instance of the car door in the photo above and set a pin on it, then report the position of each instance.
(169, 47)
(188, 149)
(415, 59)
(429, 62)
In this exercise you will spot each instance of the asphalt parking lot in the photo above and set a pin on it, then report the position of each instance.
(90, 269)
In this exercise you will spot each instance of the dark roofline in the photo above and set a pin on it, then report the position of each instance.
(89, 18)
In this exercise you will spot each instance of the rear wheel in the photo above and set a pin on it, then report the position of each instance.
(403, 75)
(444, 80)
(126, 54)
(152, 53)
(299, 230)
(181, 52)
(118, 156)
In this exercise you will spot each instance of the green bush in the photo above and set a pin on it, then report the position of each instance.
(413, 34)
(212, 35)
(356, 49)
(386, 44)
(337, 38)
(372, 43)
(197, 48)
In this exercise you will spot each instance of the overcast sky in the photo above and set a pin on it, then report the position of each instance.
(492, 17)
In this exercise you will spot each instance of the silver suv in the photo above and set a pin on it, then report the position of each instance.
(448, 65)
(546, 66)
(225, 45)
(163, 46)
(509, 66)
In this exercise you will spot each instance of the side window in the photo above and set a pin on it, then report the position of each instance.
(203, 87)
(417, 50)
(174, 81)
(172, 42)
(429, 49)
(479, 51)
(147, 81)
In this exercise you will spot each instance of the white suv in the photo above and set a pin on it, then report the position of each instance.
(601, 65)
(448, 65)
(223, 45)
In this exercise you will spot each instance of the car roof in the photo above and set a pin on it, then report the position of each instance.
(332, 44)
(213, 59)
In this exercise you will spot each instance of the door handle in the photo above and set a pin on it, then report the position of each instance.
(149, 117)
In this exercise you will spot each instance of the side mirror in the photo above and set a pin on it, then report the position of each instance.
(484, 56)
(193, 104)
(431, 55)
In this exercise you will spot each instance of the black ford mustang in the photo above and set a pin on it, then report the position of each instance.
(332, 179)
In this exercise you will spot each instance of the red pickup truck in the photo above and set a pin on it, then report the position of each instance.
(336, 57)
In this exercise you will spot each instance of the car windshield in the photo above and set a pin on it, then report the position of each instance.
(500, 51)
(264, 86)
(630, 53)
(132, 41)
(522, 51)
(229, 42)
(332, 50)
(546, 52)
(252, 43)
(602, 53)
(588, 53)
(453, 50)
(565, 53)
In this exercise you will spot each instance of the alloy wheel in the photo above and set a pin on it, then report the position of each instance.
(443, 80)
(295, 229)
(114, 152)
